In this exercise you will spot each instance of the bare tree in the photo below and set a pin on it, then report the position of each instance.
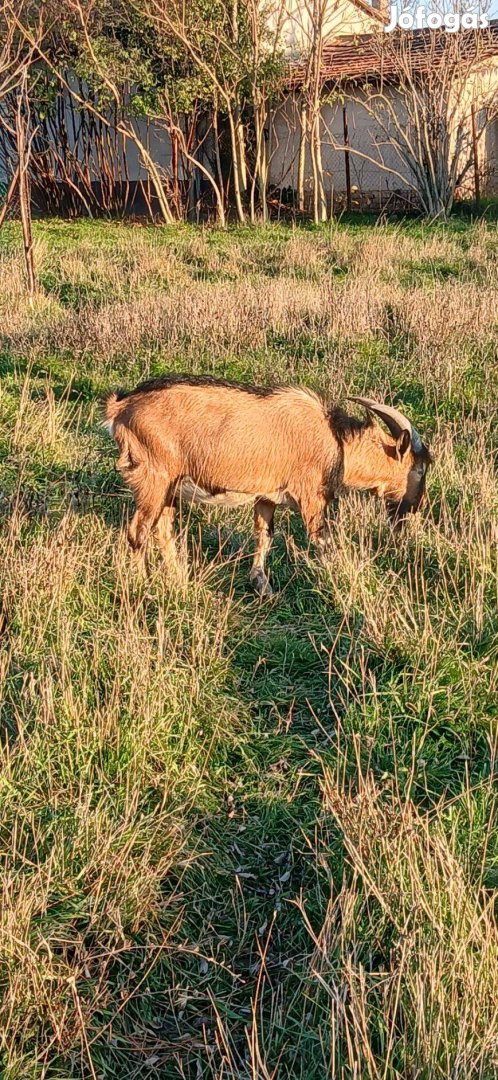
(421, 92)
(24, 144)
(265, 22)
(17, 58)
(234, 50)
(213, 46)
(313, 18)
(110, 107)
(314, 109)
(83, 11)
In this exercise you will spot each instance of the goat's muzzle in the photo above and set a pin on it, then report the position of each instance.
(399, 512)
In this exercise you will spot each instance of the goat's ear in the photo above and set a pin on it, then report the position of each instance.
(403, 444)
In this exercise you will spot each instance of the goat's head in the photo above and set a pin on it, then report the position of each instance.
(403, 485)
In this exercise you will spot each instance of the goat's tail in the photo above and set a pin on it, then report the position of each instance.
(112, 407)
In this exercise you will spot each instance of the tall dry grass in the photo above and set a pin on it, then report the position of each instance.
(242, 839)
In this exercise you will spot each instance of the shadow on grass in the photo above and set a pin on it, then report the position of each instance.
(47, 493)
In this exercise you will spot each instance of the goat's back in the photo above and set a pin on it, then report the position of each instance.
(225, 436)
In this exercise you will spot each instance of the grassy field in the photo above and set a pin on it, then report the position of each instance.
(241, 838)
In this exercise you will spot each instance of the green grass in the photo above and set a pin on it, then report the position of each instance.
(242, 838)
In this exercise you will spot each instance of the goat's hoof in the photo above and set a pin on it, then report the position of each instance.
(141, 567)
(260, 584)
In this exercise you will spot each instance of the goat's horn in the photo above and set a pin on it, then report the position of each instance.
(393, 419)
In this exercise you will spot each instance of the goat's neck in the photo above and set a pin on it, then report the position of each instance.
(369, 461)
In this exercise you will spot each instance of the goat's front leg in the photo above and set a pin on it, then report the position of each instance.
(263, 532)
(313, 511)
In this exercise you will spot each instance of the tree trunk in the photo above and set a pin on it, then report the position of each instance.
(219, 170)
(175, 180)
(24, 195)
(475, 159)
(347, 165)
(301, 167)
(261, 163)
(301, 159)
(9, 196)
(237, 180)
(319, 198)
(241, 153)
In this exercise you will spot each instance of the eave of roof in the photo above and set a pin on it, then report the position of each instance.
(371, 56)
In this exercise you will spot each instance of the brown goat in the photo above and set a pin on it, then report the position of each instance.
(227, 444)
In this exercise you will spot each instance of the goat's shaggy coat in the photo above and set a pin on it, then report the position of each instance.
(227, 444)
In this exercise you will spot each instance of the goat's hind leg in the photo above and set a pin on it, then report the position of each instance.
(149, 502)
(263, 530)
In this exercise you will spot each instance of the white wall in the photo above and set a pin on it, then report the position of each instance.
(155, 139)
(369, 151)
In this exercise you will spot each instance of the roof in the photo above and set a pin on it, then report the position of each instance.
(372, 56)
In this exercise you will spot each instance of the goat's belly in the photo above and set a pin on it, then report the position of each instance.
(191, 492)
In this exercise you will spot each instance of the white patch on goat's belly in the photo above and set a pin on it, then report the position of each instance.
(194, 493)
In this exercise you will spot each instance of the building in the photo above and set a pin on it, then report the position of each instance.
(364, 115)
(332, 137)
